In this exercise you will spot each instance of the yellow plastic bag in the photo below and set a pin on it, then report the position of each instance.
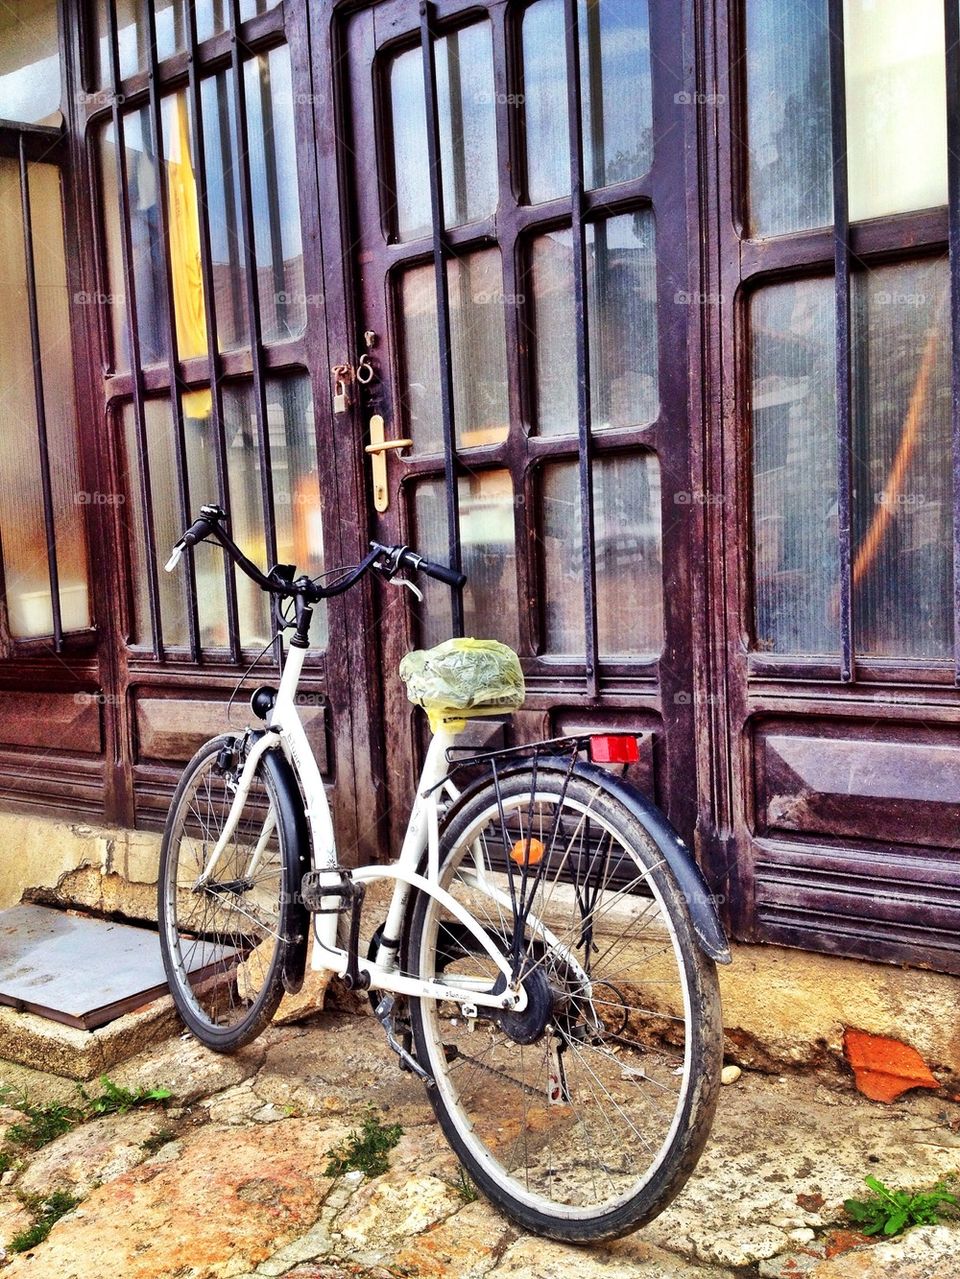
(463, 675)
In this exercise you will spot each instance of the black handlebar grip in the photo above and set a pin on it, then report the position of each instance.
(197, 532)
(442, 573)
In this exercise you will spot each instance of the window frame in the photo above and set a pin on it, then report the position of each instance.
(838, 251)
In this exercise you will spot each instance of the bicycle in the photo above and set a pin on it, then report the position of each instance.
(547, 962)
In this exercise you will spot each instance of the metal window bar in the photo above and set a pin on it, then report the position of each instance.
(43, 443)
(440, 255)
(198, 145)
(133, 336)
(584, 409)
(147, 14)
(254, 326)
(952, 36)
(841, 260)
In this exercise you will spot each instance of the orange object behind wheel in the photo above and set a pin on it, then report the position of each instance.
(527, 850)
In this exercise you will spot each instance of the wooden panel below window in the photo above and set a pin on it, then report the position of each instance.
(51, 784)
(885, 782)
(57, 721)
(881, 903)
(171, 729)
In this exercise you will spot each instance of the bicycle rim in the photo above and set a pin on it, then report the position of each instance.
(224, 941)
(582, 1116)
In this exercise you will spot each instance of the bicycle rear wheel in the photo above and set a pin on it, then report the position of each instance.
(582, 1116)
(225, 943)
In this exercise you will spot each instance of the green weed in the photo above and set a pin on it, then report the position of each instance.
(118, 1100)
(464, 1186)
(44, 1121)
(365, 1149)
(46, 1213)
(889, 1212)
(41, 1122)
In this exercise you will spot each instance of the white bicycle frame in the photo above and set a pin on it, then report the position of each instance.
(285, 731)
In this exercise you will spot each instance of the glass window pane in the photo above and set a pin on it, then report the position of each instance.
(488, 550)
(201, 449)
(479, 352)
(130, 40)
(213, 16)
(167, 523)
(795, 468)
(296, 489)
(468, 143)
(183, 228)
(902, 563)
(113, 297)
(788, 116)
(615, 88)
(30, 90)
(276, 203)
(170, 25)
(896, 106)
(294, 474)
(622, 307)
(172, 31)
(629, 569)
(223, 200)
(145, 232)
(22, 528)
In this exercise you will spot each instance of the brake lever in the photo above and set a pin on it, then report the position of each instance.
(399, 580)
(174, 559)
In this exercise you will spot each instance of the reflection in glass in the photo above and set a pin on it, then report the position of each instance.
(141, 168)
(896, 106)
(629, 569)
(183, 228)
(468, 144)
(622, 308)
(615, 87)
(22, 529)
(479, 352)
(902, 556)
(793, 404)
(223, 199)
(788, 116)
(488, 551)
(276, 204)
(30, 90)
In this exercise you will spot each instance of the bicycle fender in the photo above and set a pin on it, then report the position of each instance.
(679, 857)
(293, 818)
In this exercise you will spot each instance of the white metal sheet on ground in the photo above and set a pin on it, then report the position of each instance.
(80, 971)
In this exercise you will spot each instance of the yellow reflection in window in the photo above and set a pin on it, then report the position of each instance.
(184, 233)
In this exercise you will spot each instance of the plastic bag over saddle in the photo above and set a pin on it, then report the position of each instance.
(482, 676)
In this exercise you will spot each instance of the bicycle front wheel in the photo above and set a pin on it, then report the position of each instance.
(582, 1116)
(225, 939)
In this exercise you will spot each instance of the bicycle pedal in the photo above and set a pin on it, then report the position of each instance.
(317, 893)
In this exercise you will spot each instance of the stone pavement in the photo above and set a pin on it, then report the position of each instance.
(228, 1180)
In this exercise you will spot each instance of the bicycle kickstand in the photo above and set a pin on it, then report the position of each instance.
(385, 1012)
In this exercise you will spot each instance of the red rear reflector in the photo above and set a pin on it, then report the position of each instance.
(610, 749)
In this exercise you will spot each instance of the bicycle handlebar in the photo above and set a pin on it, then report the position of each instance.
(387, 559)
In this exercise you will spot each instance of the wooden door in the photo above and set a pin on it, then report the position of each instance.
(522, 294)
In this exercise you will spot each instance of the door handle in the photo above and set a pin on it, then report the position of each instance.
(378, 449)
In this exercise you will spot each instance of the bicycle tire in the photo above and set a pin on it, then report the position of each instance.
(226, 949)
(519, 1124)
